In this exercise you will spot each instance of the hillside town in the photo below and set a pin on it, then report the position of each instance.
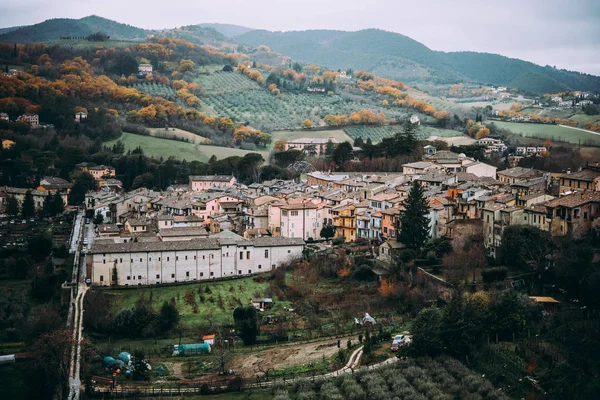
(255, 228)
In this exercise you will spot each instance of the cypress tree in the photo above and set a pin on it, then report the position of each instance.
(28, 208)
(414, 221)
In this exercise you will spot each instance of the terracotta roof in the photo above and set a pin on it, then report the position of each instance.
(586, 175)
(574, 200)
(519, 172)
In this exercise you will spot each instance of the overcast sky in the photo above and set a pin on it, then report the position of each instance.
(565, 33)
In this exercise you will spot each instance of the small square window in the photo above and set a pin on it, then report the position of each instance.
(249, 271)
(212, 274)
(289, 251)
(150, 259)
(201, 273)
(259, 266)
(172, 275)
(239, 272)
(128, 278)
(157, 276)
(139, 277)
(187, 273)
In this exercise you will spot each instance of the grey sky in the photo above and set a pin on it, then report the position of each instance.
(565, 33)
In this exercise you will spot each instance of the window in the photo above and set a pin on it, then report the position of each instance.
(259, 266)
(212, 274)
(103, 261)
(101, 278)
(140, 259)
(157, 276)
(203, 257)
(120, 260)
(241, 255)
(186, 257)
(195, 257)
(139, 277)
(168, 258)
(284, 213)
(128, 278)
(249, 271)
(172, 275)
(247, 255)
(212, 256)
(267, 253)
(201, 273)
(294, 213)
(289, 251)
(176, 258)
(158, 258)
(239, 272)
(187, 273)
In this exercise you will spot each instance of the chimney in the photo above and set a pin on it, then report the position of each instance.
(568, 171)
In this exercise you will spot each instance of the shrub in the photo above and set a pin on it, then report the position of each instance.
(490, 275)
(338, 241)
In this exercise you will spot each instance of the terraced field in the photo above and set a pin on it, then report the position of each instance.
(378, 133)
(235, 95)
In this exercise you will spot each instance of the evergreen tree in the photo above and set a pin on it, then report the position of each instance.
(12, 206)
(28, 207)
(402, 143)
(329, 147)
(58, 205)
(98, 219)
(342, 153)
(15, 51)
(414, 222)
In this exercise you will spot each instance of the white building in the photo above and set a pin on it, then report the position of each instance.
(149, 263)
(414, 119)
(145, 69)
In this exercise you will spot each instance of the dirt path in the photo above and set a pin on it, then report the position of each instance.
(256, 363)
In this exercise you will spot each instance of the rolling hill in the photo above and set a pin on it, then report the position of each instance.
(397, 56)
(54, 29)
(228, 30)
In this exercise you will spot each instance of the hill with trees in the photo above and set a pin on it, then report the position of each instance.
(396, 56)
(54, 29)
(228, 30)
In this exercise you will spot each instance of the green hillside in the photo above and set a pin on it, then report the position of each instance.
(228, 30)
(195, 34)
(54, 29)
(399, 57)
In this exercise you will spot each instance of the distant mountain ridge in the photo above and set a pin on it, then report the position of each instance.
(397, 56)
(54, 29)
(383, 53)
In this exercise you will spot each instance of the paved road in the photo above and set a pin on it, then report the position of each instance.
(79, 276)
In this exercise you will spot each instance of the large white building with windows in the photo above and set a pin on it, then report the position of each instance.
(156, 262)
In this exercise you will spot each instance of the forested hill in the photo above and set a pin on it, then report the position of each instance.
(231, 31)
(399, 57)
(54, 29)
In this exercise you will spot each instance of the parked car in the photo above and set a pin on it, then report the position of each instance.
(85, 242)
(399, 338)
(395, 345)
(87, 220)
(88, 281)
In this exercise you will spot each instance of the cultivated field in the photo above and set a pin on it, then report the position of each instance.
(177, 133)
(214, 301)
(552, 132)
(378, 133)
(237, 96)
(421, 378)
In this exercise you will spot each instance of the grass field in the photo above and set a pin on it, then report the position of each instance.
(158, 147)
(552, 132)
(215, 300)
(378, 133)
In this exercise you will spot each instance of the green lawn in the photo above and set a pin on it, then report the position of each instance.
(220, 299)
(552, 132)
(433, 131)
